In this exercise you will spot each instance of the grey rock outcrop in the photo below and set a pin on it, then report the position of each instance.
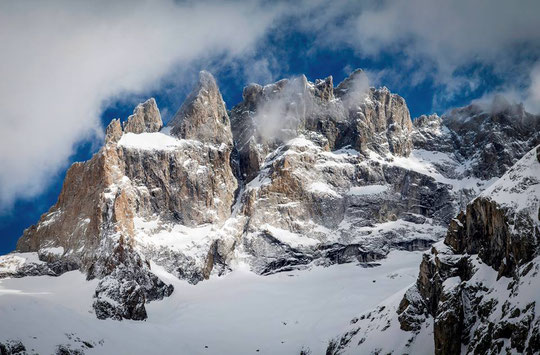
(203, 116)
(355, 116)
(494, 139)
(145, 118)
(123, 292)
(430, 133)
(12, 347)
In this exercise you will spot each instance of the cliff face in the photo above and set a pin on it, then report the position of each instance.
(500, 229)
(95, 223)
(477, 290)
(356, 116)
(507, 135)
(303, 173)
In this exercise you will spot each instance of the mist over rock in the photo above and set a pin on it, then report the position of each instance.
(493, 139)
(297, 174)
(357, 116)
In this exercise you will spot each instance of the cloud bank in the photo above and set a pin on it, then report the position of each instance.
(451, 43)
(62, 60)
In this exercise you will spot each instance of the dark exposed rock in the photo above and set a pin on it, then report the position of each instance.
(485, 229)
(125, 286)
(413, 245)
(339, 253)
(503, 238)
(496, 139)
(273, 255)
(46, 266)
(12, 347)
(67, 350)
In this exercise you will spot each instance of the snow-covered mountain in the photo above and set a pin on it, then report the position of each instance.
(297, 176)
(477, 291)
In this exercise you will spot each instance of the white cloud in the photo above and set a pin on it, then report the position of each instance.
(280, 113)
(532, 101)
(450, 33)
(502, 96)
(62, 60)
(449, 42)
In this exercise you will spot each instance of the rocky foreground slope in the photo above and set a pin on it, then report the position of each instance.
(477, 291)
(298, 173)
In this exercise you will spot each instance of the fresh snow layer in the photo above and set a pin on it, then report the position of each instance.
(150, 141)
(58, 251)
(367, 190)
(293, 239)
(519, 187)
(161, 141)
(323, 189)
(239, 313)
(12, 262)
(424, 162)
(173, 237)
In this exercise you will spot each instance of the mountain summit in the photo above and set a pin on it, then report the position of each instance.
(298, 174)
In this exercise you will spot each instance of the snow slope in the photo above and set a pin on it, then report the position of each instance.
(238, 313)
(519, 187)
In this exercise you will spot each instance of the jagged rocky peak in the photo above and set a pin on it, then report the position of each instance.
(493, 136)
(430, 133)
(384, 123)
(356, 80)
(432, 122)
(290, 89)
(354, 115)
(203, 116)
(498, 112)
(145, 118)
(324, 89)
(383, 119)
(140, 177)
(114, 131)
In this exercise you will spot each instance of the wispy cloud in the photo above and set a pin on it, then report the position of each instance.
(62, 60)
(446, 42)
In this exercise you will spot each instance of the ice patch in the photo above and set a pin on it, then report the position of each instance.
(59, 251)
(290, 238)
(367, 190)
(519, 187)
(322, 189)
